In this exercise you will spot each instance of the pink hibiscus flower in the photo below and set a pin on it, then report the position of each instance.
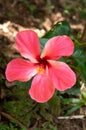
(49, 74)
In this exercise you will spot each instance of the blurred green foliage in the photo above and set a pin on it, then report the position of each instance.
(77, 6)
(11, 126)
(32, 7)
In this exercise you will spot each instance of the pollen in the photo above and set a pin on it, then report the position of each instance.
(40, 69)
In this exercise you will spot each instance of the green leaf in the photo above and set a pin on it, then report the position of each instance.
(4, 126)
(73, 109)
(79, 54)
(60, 28)
(75, 90)
(55, 104)
(84, 95)
(79, 57)
(23, 84)
(43, 41)
(23, 128)
(73, 101)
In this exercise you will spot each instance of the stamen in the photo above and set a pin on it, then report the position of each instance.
(40, 69)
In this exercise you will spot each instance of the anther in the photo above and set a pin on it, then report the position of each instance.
(40, 69)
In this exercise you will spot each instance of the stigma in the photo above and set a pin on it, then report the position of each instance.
(40, 69)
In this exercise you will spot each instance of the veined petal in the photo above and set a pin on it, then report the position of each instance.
(20, 69)
(27, 43)
(57, 47)
(61, 75)
(42, 88)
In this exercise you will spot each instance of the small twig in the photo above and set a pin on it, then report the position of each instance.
(12, 118)
(71, 117)
(83, 37)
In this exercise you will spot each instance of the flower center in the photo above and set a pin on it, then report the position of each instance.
(40, 69)
(41, 66)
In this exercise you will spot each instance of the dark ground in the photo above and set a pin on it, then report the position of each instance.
(16, 15)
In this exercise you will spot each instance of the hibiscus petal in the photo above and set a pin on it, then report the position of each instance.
(27, 43)
(42, 89)
(57, 47)
(20, 69)
(61, 75)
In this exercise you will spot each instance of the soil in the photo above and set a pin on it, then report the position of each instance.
(39, 15)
